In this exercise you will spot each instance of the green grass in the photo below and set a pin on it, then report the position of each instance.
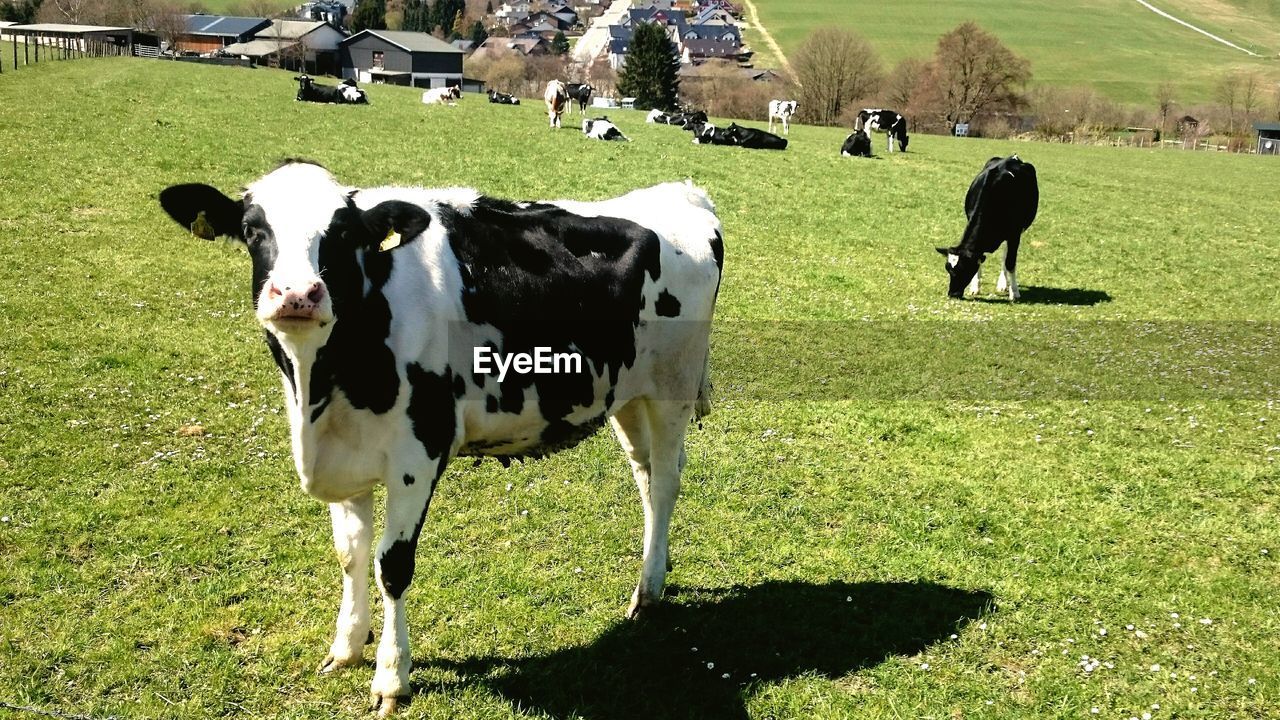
(1118, 47)
(856, 499)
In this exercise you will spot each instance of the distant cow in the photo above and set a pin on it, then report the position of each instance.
(681, 119)
(857, 144)
(708, 134)
(394, 315)
(1000, 205)
(893, 125)
(782, 110)
(344, 94)
(601, 129)
(580, 92)
(503, 98)
(442, 95)
(556, 97)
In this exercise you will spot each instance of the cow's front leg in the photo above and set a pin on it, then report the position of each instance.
(353, 539)
(667, 422)
(974, 283)
(408, 496)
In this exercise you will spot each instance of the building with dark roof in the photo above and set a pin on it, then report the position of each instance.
(400, 58)
(210, 33)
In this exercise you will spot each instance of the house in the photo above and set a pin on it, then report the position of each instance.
(512, 13)
(1268, 137)
(400, 58)
(333, 12)
(211, 33)
(1186, 124)
(495, 47)
(721, 33)
(697, 49)
(307, 45)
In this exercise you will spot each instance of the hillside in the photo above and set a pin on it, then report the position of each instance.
(901, 506)
(1116, 46)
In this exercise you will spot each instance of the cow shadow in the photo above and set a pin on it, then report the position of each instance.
(702, 652)
(1039, 295)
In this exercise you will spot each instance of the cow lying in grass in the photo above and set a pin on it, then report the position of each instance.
(1001, 204)
(345, 93)
(387, 310)
(858, 144)
(442, 95)
(503, 98)
(735, 134)
(602, 129)
(683, 120)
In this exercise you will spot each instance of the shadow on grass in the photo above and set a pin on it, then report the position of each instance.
(771, 632)
(1036, 295)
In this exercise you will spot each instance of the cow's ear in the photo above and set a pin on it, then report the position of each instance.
(395, 222)
(203, 210)
(945, 251)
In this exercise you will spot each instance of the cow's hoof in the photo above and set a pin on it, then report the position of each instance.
(384, 705)
(640, 603)
(334, 662)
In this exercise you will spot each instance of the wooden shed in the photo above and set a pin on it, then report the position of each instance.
(211, 33)
(401, 58)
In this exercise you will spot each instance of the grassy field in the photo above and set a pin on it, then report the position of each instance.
(902, 507)
(1116, 46)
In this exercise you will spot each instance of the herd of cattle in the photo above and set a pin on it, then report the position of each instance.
(374, 299)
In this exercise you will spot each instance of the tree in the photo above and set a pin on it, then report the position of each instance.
(650, 72)
(902, 82)
(369, 15)
(458, 27)
(972, 73)
(19, 11)
(1164, 100)
(835, 68)
(478, 35)
(1228, 93)
(1250, 95)
(559, 44)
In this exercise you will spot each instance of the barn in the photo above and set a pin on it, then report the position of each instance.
(399, 57)
(1268, 137)
(306, 45)
(211, 33)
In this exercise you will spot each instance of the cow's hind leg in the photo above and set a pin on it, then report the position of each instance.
(667, 423)
(352, 538)
(1010, 268)
(409, 493)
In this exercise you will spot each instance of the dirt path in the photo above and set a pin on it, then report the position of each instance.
(768, 39)
(1184, 23)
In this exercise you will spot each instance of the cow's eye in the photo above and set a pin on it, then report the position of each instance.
(253, 235)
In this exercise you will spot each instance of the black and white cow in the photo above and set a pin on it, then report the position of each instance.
(1001, 204)
(893, 125)
(708, 134)
(682, 119)
(448, 95)
(581, 93)
(503, 98)
(782, 110)
(601, 129)
(411, 326)
(858, 144)
(753, 139)
(556, 97)
(345, 93)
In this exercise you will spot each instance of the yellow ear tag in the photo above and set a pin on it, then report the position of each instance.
(202, 228)
(392, 240)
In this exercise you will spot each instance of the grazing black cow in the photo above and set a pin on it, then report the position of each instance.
(503, 98)
(412, 325)
(1000, 205)
(345, 93)
(601, 129)
(858, 144)
(753, 139)
(581, 92)
(893, 125)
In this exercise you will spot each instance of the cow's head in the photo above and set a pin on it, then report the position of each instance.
(962, 265)
(305, 237)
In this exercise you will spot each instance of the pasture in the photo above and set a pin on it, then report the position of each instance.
(1119, 48)
(902, 505)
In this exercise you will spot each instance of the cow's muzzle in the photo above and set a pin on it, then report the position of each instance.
(295, 302)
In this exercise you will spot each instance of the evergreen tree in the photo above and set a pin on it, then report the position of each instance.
(478, 33)
(559, 44)
(650, 72)
(369, 15)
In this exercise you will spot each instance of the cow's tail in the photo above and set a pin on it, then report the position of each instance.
(702, 407)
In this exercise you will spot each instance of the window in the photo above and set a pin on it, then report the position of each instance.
(377, 58)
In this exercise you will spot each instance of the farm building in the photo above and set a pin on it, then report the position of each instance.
(398, 57)
(1268, 137)
(211, 33)
(307, 45)
(93, 38)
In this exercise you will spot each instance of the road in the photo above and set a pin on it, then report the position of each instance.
(596, 38)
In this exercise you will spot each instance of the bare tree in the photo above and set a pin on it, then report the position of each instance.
(835, 68)
(902, 82)
(1250, 95)
(972, 73)
(1164, 100)
(1228, 93)
(72, 11)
